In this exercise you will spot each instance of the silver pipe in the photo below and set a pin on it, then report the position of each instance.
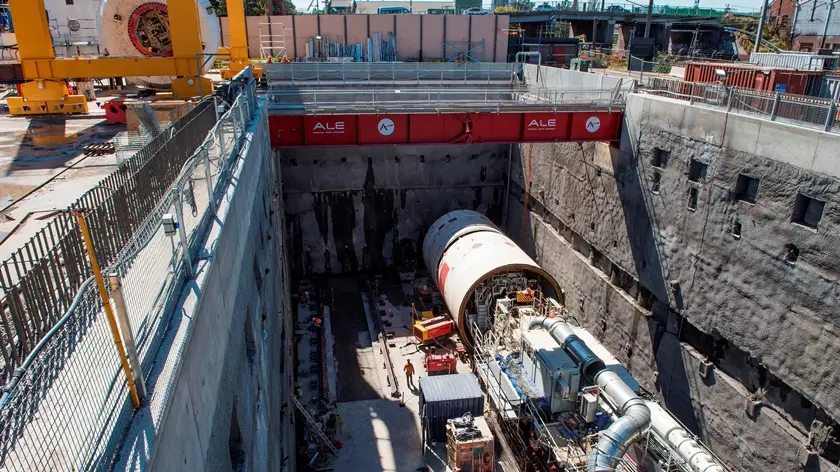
(635, 415)
(697, 457)
(634, 421)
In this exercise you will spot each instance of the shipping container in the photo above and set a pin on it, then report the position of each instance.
(830, 87)
(798, 61)
(749, 76)
(443, 397)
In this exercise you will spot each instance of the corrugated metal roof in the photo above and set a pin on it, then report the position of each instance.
(450, 387)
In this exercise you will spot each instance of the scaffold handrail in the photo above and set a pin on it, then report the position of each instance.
(473, 99)
(280, 75)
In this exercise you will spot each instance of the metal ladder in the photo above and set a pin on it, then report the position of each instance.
(313, 427)
(272, 44)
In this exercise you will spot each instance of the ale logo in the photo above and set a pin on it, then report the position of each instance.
(385, 127)
(542, 124)
(329, 128)
(593, 124)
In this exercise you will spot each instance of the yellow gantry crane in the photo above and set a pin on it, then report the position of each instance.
(45, 91)
(238, 49)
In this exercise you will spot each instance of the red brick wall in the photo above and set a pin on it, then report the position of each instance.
(812, 43)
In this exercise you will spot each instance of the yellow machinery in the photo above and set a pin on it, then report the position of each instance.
(238, 49)
(46, 92)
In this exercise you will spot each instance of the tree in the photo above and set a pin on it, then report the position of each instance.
(774, 34)
(523, 5)
(252, 7)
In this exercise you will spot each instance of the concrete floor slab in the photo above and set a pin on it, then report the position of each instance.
(379, 436)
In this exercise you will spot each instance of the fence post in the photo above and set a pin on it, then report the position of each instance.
(829, 119)
(128, 334)
(211, 200)
(729, 101)
(221, 129)
(242, 112)
(691, 99)
(776, 99)
(182, 232)
(106, 306)
(641, 72)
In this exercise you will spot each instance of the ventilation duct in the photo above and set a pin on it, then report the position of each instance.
(635, 415)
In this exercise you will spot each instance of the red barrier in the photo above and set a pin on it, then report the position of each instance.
(496, 127)
(383, 129)
(330, 130)
(542, 127)
(436, 129)
(599, 126)
(443, 128)
(286, 130)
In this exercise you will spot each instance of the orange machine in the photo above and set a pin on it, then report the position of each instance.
(427, 330)
(440, 363)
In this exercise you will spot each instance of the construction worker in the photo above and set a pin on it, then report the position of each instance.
(409, 372)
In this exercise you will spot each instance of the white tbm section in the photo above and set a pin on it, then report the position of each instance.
(113, 23)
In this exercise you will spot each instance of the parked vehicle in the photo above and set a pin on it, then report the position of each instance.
(616, 9)
(393, 11)
(475, 11)
(545, 7)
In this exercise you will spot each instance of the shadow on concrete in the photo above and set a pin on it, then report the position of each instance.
(356, 374)
(131, 450)
(642, 226)
(46, 145)
(378, 435)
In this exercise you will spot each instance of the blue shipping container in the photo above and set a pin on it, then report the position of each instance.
(443, 397)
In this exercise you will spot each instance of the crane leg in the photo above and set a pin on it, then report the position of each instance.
(188, 87)
(43, 97)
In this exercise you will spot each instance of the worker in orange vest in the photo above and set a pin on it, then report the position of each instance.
(409, 372)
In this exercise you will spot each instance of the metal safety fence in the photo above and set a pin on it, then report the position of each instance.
(794, 109)
(39, 280)
(470, 99)
(284, 76)
(622, 8)
(68, 401)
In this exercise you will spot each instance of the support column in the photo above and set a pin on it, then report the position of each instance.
(185, 32)
(624, 35)
(35, 45)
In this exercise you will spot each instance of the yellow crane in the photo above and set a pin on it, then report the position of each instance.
(45, 91)
(238, 49)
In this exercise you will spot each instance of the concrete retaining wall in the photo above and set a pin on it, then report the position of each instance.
(570, 80)
(663, 286)
(344, 202)
(218, 401)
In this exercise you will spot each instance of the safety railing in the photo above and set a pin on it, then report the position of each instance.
(794, 109)
(414, 100)
(620, 8)
(286, 75)
(39, 279)
(68, 402)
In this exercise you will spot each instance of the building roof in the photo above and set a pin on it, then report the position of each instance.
(450, 387)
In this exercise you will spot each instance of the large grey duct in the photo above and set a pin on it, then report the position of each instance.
(635, 415)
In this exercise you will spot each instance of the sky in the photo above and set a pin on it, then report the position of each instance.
(302, 5)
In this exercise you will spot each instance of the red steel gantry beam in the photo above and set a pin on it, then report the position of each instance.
(444, 128)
